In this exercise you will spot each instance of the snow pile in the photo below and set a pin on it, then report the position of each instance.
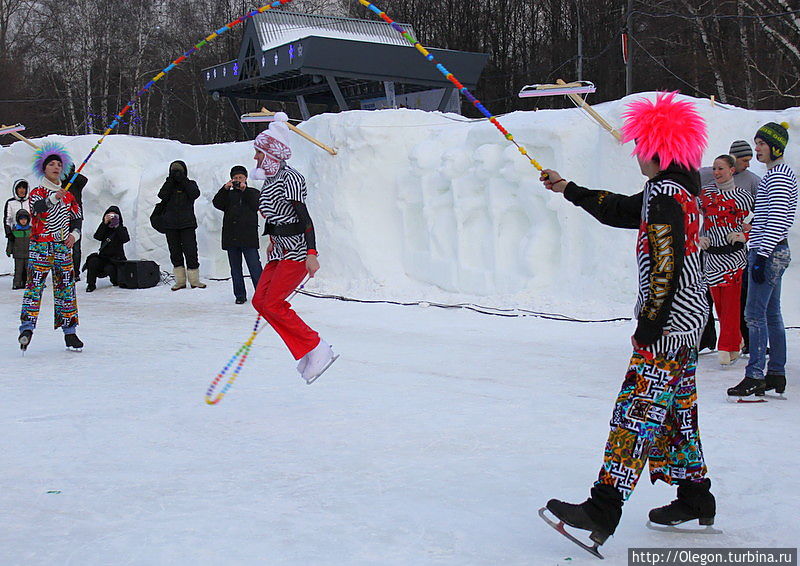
(425, 205)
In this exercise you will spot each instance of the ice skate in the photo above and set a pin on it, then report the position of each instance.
(777, 383)
(570, 515)
(600, 515)
(748, 390)
(695, 502)
(319, 360)
(73, 343)
(24, 339)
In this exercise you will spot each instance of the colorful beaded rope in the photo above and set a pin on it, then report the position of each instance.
(240, 357)
(450, 77)
(199, 45)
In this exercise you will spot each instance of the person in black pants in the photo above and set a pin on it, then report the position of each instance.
(180, 225)
(113, 236)
(239, 203)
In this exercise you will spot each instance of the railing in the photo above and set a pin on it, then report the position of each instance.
(278, 28)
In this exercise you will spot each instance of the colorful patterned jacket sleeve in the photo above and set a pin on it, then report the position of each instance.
(612, 209)
(666, 245)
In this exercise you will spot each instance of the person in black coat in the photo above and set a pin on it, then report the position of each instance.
(77, 191)
(179, 193)
(239, 203)
(112, 235)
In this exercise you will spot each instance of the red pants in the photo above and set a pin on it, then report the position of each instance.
(728, 306)
(277, 281)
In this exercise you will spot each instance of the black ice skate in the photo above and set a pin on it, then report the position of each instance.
(777, 383)
(600, 515)
(73, 343)
(746, 389)
(695, 502)
(24, 340)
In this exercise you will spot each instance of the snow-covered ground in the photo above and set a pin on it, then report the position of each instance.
(433, 440)
(437, 435)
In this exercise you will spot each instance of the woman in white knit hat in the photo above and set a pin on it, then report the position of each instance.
(292, 252)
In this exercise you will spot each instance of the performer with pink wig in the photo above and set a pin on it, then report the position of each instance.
(655, 416)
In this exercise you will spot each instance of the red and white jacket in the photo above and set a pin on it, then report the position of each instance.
(53, 219)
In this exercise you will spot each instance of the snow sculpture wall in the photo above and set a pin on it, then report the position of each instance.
(424, 205)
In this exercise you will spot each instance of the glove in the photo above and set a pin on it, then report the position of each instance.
(759, 268)
(704, 242)
(734, 237)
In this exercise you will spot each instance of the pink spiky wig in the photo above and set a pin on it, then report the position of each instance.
(42, 155)
(668, 129)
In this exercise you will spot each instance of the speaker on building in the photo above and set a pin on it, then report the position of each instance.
(138, 274)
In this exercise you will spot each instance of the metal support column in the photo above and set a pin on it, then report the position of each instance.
(391, 99)
(301, 102)
(238, 111)
(447, 98)
(337, 94)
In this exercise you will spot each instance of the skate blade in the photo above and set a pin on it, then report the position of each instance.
(749, 399)
(701, 530)
(775, 396)
(76, 350)
(311, 380)
(559, 526)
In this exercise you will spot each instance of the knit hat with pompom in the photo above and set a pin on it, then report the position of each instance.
(776, 136)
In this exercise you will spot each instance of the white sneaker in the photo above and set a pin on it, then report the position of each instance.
(318, 360)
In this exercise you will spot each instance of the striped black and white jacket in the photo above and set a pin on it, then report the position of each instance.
(54, 219)
(282, 202)
(776, 204)
(672, 308)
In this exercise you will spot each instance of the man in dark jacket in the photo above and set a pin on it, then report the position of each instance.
(112, 235)
(180, 225)
(240, 229)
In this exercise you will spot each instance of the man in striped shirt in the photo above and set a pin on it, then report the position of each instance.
(768, 258)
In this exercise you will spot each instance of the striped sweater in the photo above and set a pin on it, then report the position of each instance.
(671, 307)
(53, 219)
(776, 204)
(724, 211)
(282, 202)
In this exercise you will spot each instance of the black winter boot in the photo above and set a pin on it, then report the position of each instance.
(600, 514)
(775, 381)
(695, 501)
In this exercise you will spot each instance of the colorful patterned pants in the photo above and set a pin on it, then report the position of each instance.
(43, 257)
(655, 419)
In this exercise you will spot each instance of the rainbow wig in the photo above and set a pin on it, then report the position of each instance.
(48, 148)
(667, 130)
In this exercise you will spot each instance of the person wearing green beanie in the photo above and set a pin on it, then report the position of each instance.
(768, 258)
